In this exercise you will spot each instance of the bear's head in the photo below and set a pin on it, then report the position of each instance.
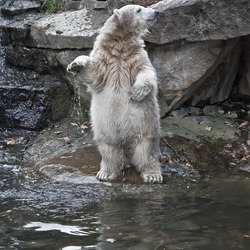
(134, 19)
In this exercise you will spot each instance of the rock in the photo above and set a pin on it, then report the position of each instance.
(245, 169)
(217, 111)
(193, 20)
(16, 31)
(31, 107)
(41, 60)
(50, 144)
(194, 128)
(17, 109)
(81, 165)
(180, 66)
(30, 58)
(201, 71)
(201, 140)
(200, 20)
(100, 5)
(73, 5)
(3, 2)
(67, 30)
(20, 6)
(66, 174)
(183, 112)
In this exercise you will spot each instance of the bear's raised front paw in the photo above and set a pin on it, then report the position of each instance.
(105, 176)
(139, 92)
(78, 64)
(74, 67)
(152, 177)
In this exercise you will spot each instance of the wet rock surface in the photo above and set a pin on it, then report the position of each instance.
(31, 97)
(195, 143)
(12, 145)
(30, 108)
(215, 141)
(67, 153)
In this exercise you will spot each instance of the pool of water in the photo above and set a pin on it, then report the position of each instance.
(36, 213)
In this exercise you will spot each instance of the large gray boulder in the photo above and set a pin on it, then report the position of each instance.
(196, 50)
(200, 20)
(195, 72)
(64, 30)
(67, 30)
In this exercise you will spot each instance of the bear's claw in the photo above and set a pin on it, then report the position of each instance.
(152, 178)
(74, 67)
(78, 64)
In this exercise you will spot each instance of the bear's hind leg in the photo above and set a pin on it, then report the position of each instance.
(146, 160)
(111, 164)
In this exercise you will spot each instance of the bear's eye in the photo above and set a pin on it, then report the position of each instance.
(139, 10)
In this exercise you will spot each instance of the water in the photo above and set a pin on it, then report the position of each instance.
(36, 213)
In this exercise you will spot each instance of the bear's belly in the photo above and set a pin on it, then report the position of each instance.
(116, 118)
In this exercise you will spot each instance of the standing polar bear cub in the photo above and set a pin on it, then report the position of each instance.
(124, 108)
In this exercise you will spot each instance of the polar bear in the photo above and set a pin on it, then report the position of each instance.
(124, 108)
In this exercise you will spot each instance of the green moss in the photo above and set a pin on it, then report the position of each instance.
(85, 105)
(52, 6)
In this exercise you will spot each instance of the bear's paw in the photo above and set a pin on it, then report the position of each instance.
(139, 92)
(105, 176)
(78, 64)
(152, 177)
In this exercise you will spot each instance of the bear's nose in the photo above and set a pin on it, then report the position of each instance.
(156, 12)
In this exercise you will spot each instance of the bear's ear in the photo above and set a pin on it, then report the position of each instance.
(116, 14)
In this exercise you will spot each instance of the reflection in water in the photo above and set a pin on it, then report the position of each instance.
(179, 215)
(78, 247)
(147, 225)
(73, 230)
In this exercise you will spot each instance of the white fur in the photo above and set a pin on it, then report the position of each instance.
(124, 108)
